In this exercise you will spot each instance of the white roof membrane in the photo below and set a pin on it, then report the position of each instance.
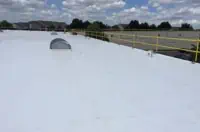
(97, 87)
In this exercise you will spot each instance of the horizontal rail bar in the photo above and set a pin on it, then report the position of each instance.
(169, 47)
(126, 40)
(144, 43)
(94, 36)
(161, 46)
(133, 35)
(166, 38)
(190, 40)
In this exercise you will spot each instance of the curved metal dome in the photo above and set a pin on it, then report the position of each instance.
(59, 43)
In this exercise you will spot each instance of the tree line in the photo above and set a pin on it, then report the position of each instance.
(133, 25)
(5, 24)
(79, 24)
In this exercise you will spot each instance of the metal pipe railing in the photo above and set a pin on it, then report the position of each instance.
(134, 41)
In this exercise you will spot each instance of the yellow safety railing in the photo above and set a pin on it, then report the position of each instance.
(102, 35)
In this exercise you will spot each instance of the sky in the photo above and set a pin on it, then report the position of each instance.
(109, 11)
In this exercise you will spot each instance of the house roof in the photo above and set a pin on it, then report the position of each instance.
(40, 24)
(22, 25)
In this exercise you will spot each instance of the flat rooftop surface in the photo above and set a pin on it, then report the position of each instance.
(96, 87)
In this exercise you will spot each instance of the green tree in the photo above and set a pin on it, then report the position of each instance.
(77, 24)
(86, 24)
(134, 25)
(102, 25)
(164, 26)
(186, 26)
(6, 24)
(95, 31)
(94, 27)
(153, 27)
(144, 25)
(116, 27)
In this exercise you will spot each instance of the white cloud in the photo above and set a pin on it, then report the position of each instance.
(103, 4)
(166, 1)
(155, 4)
(175, 11)
(131, 10)
(134, 13)
(160, 8)
(144, 7)
(91, 9)
(195, 10)
(26, 10)
(53, 6)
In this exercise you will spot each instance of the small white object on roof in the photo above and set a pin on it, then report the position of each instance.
(54, 33)
(150, 53)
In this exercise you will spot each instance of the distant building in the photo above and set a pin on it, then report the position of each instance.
(40, 25)
(21, 26)
(34, 25)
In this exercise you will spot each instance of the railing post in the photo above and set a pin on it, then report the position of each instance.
(133, 41)
(135, 38)
(119, 39)
(157, 41)
(197, 50)
(103, 36)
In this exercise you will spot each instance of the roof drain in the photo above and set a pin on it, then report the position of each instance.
(59, 43)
